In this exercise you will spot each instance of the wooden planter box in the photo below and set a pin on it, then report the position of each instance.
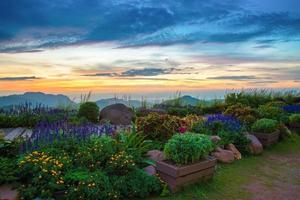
(178, 176)
(267, 139)
(295, 127)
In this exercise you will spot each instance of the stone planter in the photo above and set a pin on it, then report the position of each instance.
(178, 176)
(295, 127)
(267, 139)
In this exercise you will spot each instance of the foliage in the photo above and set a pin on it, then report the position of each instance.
(87, 185)
(271, 112)
(284, 131)
(177, 111)
(41, 174)
(244, 114)
(8, 170)
(265, 126)
(27, 115)
(294, 118)
(190, 120)
(158, 127)
(90, 111)
(254, 97)
(187, 148)
(216, 107)
(9, 148)
(84, 169)
(136, 184)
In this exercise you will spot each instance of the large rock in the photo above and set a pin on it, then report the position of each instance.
(156, 155)
(8, 193)
(234, 150)
(255, 146)
(223, 156)
(150, 170)
(117, 114)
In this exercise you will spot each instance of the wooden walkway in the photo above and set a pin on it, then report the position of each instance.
(12, 133)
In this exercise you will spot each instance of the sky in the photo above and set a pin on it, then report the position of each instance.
(148, 48)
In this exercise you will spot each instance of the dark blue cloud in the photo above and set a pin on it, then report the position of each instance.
(232, 77)
(18, 78)
(136, 23)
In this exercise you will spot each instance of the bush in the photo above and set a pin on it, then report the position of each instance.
(86, 169)
(87, 185)
(158, 127)
(216, 107)
(177, 111)
(136, 184)
(265, 126)
(244, 114)
(294, 118)
(90, 111)
(223, 122)
(187, 148)
(8, 170)
(272, 112)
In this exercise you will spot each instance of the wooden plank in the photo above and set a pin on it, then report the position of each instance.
(5, 131)
(14, 134)
(27, 133)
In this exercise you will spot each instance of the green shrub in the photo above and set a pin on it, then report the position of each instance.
(136, 184)
(245, 114)
(187, 148)
(177, 111)
(158, 127)
(216, 107)
(87, 185)
(294, 118)
(265, 126)
(272, 112)
(90, 111)
(8, 170)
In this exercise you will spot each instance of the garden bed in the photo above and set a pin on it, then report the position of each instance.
(267, 139)
(178, 176)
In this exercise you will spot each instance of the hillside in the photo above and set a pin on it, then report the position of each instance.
(50, 100)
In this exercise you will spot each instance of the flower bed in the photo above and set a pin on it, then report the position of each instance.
(187, 160)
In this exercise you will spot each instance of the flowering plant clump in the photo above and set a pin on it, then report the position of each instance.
(82, 169)
(43, 173)
(188, 148)
(121, 163)
(223, 122)
(48, 133)
(292, 108)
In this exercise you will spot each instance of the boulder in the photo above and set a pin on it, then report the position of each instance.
(234, 150)
(150, 170)
(223, 156)
(156, 155)
(117, 114)
(8, 193)
(215, 138)
(255, 146)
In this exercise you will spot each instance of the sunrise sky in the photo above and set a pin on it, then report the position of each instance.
(151, 47)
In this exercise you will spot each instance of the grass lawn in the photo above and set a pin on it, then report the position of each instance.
(273, 175)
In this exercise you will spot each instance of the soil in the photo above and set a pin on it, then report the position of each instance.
(277, 179)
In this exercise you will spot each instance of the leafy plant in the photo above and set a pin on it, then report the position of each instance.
(8, 170)
(223, 122)
(158, 127)
(272, 112)
(244, 114)
(265, 126)
(90, 111)
(294, 118)
(187, 148)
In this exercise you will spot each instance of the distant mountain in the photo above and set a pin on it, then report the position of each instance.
(188, 100)
(184, 100)
(50, 100)
(106, 102)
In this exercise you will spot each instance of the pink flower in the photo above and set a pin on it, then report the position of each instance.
(182, 129)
